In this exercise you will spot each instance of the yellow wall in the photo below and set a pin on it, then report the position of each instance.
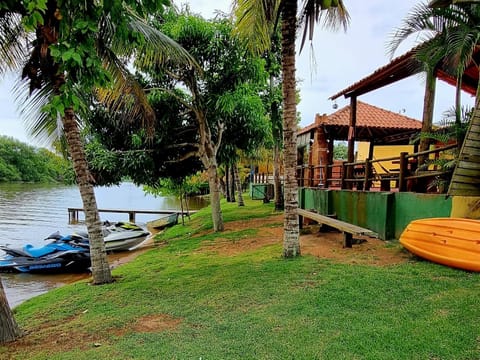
(380, 152)
(466, 207)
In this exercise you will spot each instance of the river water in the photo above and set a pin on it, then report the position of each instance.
(31, 212)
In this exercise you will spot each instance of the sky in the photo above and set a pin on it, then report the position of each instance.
(340, 59)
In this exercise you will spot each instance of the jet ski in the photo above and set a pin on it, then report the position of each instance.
(122, 236)
(119, 236)
(63, 254)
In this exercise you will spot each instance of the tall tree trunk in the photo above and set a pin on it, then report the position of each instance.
(207, 152)
(277, 183)
(277, 137)
(9, 330)
(238, 185)
(232, 182)
(214, 187)
(458, 113)
(291, 243)
(181, 208)
(427, 118)
(228, 188)
(100, 269)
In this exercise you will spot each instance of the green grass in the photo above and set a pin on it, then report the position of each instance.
(256, 305)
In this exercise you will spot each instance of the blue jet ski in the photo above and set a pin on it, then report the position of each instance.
(63, 254)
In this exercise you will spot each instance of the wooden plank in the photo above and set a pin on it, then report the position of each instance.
(473, 137)
(338, 224)
(467, 189)
(467, 172)
(467, 179)
(475, 128)
(472, 148)
(475, 158)
(470, 141)
(424, 174)
(468, 165)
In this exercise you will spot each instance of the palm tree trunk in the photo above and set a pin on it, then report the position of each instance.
(238, 185)
(291, 243)
(427, 118)
(100, 269)
(9, 330)
(458, 113)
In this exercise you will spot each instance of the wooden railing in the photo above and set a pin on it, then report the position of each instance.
(363, 176)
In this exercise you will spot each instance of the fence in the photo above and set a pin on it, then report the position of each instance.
(362, 175)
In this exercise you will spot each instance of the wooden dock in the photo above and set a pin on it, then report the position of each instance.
(73, 213)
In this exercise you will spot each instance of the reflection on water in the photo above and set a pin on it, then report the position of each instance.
(20, 287)
(31, 212)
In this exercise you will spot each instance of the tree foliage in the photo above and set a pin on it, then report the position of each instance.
(226, 93)
(22, 162)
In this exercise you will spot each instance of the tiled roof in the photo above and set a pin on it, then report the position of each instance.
(372, 123)
(373, 116)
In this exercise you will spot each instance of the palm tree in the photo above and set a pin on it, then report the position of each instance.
(452, 31)
(64, 53)
(452, 36)
(9, 330)
(256, 22)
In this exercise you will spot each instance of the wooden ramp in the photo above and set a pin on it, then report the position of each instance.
(466, 175)
(348, 229)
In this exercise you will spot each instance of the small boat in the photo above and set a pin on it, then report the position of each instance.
(119, 236)
(453, 242)
(123, 236)
(165, 221)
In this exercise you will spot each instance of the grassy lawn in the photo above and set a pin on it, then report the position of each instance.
(178, 301)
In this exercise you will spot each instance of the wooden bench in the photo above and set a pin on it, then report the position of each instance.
(348, 229)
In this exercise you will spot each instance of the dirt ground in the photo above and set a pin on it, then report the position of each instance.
(327, 245)
(313, 241)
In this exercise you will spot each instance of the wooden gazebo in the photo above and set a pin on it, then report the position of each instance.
(467, 171)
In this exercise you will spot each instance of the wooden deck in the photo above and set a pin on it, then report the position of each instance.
(73, 213)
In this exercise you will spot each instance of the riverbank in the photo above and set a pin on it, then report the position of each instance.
(31, 212)
(230, 295)
(21, 287)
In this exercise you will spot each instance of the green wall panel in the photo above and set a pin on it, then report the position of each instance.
(412, 206)
(386, 213)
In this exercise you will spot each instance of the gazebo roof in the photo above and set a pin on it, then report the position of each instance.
(383, 126)
(404, 66)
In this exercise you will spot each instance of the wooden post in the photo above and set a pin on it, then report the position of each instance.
(311, 176)
(368, 172)
(131, 216)
(329, 165)
(402, 183)
(351, 138)
(347, 240)
(343, 175)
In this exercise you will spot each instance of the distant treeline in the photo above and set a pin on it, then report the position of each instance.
(22, 162)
